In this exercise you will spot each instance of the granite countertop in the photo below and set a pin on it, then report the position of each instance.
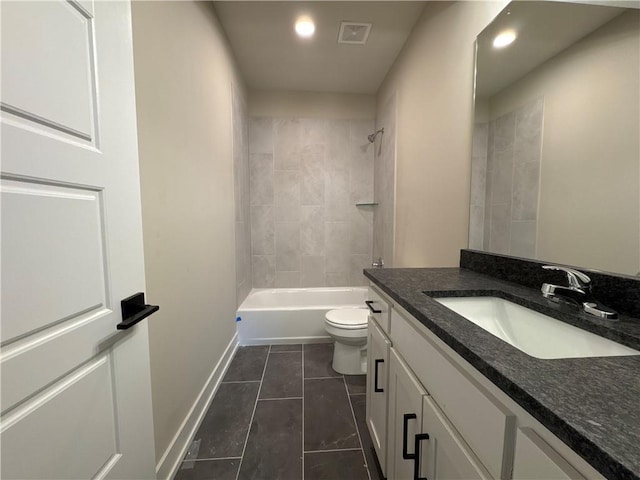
(591, 404)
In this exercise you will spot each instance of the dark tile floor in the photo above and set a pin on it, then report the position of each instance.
(282, 413)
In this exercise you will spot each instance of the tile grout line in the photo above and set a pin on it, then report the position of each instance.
(303, 379)
(242, 381)
(211, 459)
(334, 450)
(283, 398)
(255, 405)
(324, 378)
(355, 424)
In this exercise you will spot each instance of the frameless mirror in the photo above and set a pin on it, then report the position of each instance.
(556, 151)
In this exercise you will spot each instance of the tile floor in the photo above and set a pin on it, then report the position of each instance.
(282, 413)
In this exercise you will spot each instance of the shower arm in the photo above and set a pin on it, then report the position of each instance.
(372, 137)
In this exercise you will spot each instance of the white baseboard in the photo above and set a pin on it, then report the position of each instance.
(170, 462)
(285, 340)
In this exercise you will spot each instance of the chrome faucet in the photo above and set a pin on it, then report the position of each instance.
(577, 292)
(378, 264)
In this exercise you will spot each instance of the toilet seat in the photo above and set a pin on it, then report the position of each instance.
(348, 318)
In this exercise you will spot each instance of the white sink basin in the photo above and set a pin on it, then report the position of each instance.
(533, 333)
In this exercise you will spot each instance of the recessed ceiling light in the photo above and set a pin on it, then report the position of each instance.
(305, 27)
(504, 38)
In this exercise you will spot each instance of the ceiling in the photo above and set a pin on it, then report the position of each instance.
(272, 57)
(544, 30)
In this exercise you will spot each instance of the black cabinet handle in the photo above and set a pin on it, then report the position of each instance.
(378, 361)
(405, 426)
(134, 310)
(373, 310)
(416, 456)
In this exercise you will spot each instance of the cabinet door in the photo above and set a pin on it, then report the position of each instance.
(444, 455)
(536, 460)
(377, 381)
(405, 418)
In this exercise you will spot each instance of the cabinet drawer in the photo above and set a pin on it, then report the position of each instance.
(379, 309)
(484, 422)
(536, 460)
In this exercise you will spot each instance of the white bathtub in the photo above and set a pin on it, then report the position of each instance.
(292, 315)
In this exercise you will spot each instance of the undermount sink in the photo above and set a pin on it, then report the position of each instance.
(532, 332)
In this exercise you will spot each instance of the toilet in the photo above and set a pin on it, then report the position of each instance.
(348, 328)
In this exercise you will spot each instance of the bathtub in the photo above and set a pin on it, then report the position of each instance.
(292, 315)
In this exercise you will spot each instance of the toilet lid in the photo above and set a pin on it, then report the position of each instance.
(349, 318)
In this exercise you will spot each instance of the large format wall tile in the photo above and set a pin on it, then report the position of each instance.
(312, 230)
(261, 135)
(287, 143)
(287, 195)
(288, 246)
(261, 178)
(264, 271)
(262, 230)
(241, 190)
(312, 180)
(512, 182)
(312, 272)
(337, 246)
(306, 176)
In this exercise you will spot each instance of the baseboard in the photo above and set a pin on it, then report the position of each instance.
(285, 340)
(170, 462)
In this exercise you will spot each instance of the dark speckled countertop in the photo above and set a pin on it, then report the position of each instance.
(591, 404)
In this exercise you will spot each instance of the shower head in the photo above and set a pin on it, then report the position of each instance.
(372, 137)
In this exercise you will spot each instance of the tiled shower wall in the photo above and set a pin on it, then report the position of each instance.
(505, 182)
(306, 176)
(384, 184)
(241, 194)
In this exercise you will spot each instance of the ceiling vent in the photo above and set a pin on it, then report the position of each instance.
(354, 33)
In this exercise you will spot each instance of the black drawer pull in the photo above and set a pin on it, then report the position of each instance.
(378, 361)
(405, 426)
(416, 456)
(373, 310)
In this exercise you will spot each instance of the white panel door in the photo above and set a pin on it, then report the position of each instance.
(75, 392)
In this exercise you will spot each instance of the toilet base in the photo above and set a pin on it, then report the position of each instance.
(350, 359)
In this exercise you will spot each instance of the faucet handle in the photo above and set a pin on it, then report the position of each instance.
(576, 279)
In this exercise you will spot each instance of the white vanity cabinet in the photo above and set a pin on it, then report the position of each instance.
(377, 390)
(535, 459)
(443, 453)
(420, 436)
(466, 427)
(378, 374)
(405, 418)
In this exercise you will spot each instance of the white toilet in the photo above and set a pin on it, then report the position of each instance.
(348, 328)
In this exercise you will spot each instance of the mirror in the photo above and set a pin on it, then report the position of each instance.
(556, 150)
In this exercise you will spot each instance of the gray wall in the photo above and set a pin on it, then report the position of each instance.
(184, 109)
(306, 175)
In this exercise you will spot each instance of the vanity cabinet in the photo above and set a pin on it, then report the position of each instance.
(535, 459)
(405, 418)
(465, 426)
(420, 436)
(377, 389)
